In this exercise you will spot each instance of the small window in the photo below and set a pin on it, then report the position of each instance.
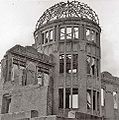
(51, 35)
(88, 64)
(75, 33)
(69, 33)
(98, 101)
(94, 100)
(34, 113)
(43, 38)
(88, 34)
(88, 99)
(6, 101)
(46, 37)
(93, 36)
(68, 63)
(102, 97)
(75, 63)
(61, 98)
(68, 98)
(40, 78)
(62, 33)
(75, 98)
(115, 99)
(93, 66)
(61, 64)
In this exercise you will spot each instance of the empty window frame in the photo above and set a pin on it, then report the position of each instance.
(68, 63)
(94, 100)
(68, 98)
(69, 33)
(61, 98)
(102, 97)
(39, 78)
(6, 104)
(18, 74)
(90, 35)
(93, 35)
(75, 63)
(89, 99)
(24, 78)
(75, 98)
(98, 101)
(88, 61)
(50, 35)
(69, 103)
(34, 113)
(46, 37)
(115, 99)
(62, 33)
(43, 38)
(75, 33)
(61, 63)
(93, 66)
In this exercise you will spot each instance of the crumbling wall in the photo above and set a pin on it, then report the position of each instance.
(30, 98)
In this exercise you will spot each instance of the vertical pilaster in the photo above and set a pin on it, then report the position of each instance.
(82, 73)
(64, 80)
(92, 101)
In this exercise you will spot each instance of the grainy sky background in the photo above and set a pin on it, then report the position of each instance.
(19, 17)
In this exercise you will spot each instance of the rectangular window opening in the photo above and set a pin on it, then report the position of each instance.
(43, 38)
(68, 63)
(51, 35)
(88, 61)
(62, 33)
(69, 32)
(6, 104)
(93, 66)
(93, 36)
(75, 63)
(102, 97)
(46, 37)
(94, 100)
(75, 98)
(75, 33)
(88, 99)
(98, 101)
(68, 98)
(40, 78)
(61, 98)
(88, 35)
(115, 99)
(61, 60)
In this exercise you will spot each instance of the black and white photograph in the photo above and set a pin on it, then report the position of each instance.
(59, 60)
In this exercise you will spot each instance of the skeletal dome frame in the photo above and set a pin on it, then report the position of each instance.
(68, 10)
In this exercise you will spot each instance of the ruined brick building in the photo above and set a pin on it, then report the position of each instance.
(59, 76)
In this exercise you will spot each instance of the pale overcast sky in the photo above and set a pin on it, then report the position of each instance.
(18, 19)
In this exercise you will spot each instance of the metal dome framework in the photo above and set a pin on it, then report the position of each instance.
(66, 10)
